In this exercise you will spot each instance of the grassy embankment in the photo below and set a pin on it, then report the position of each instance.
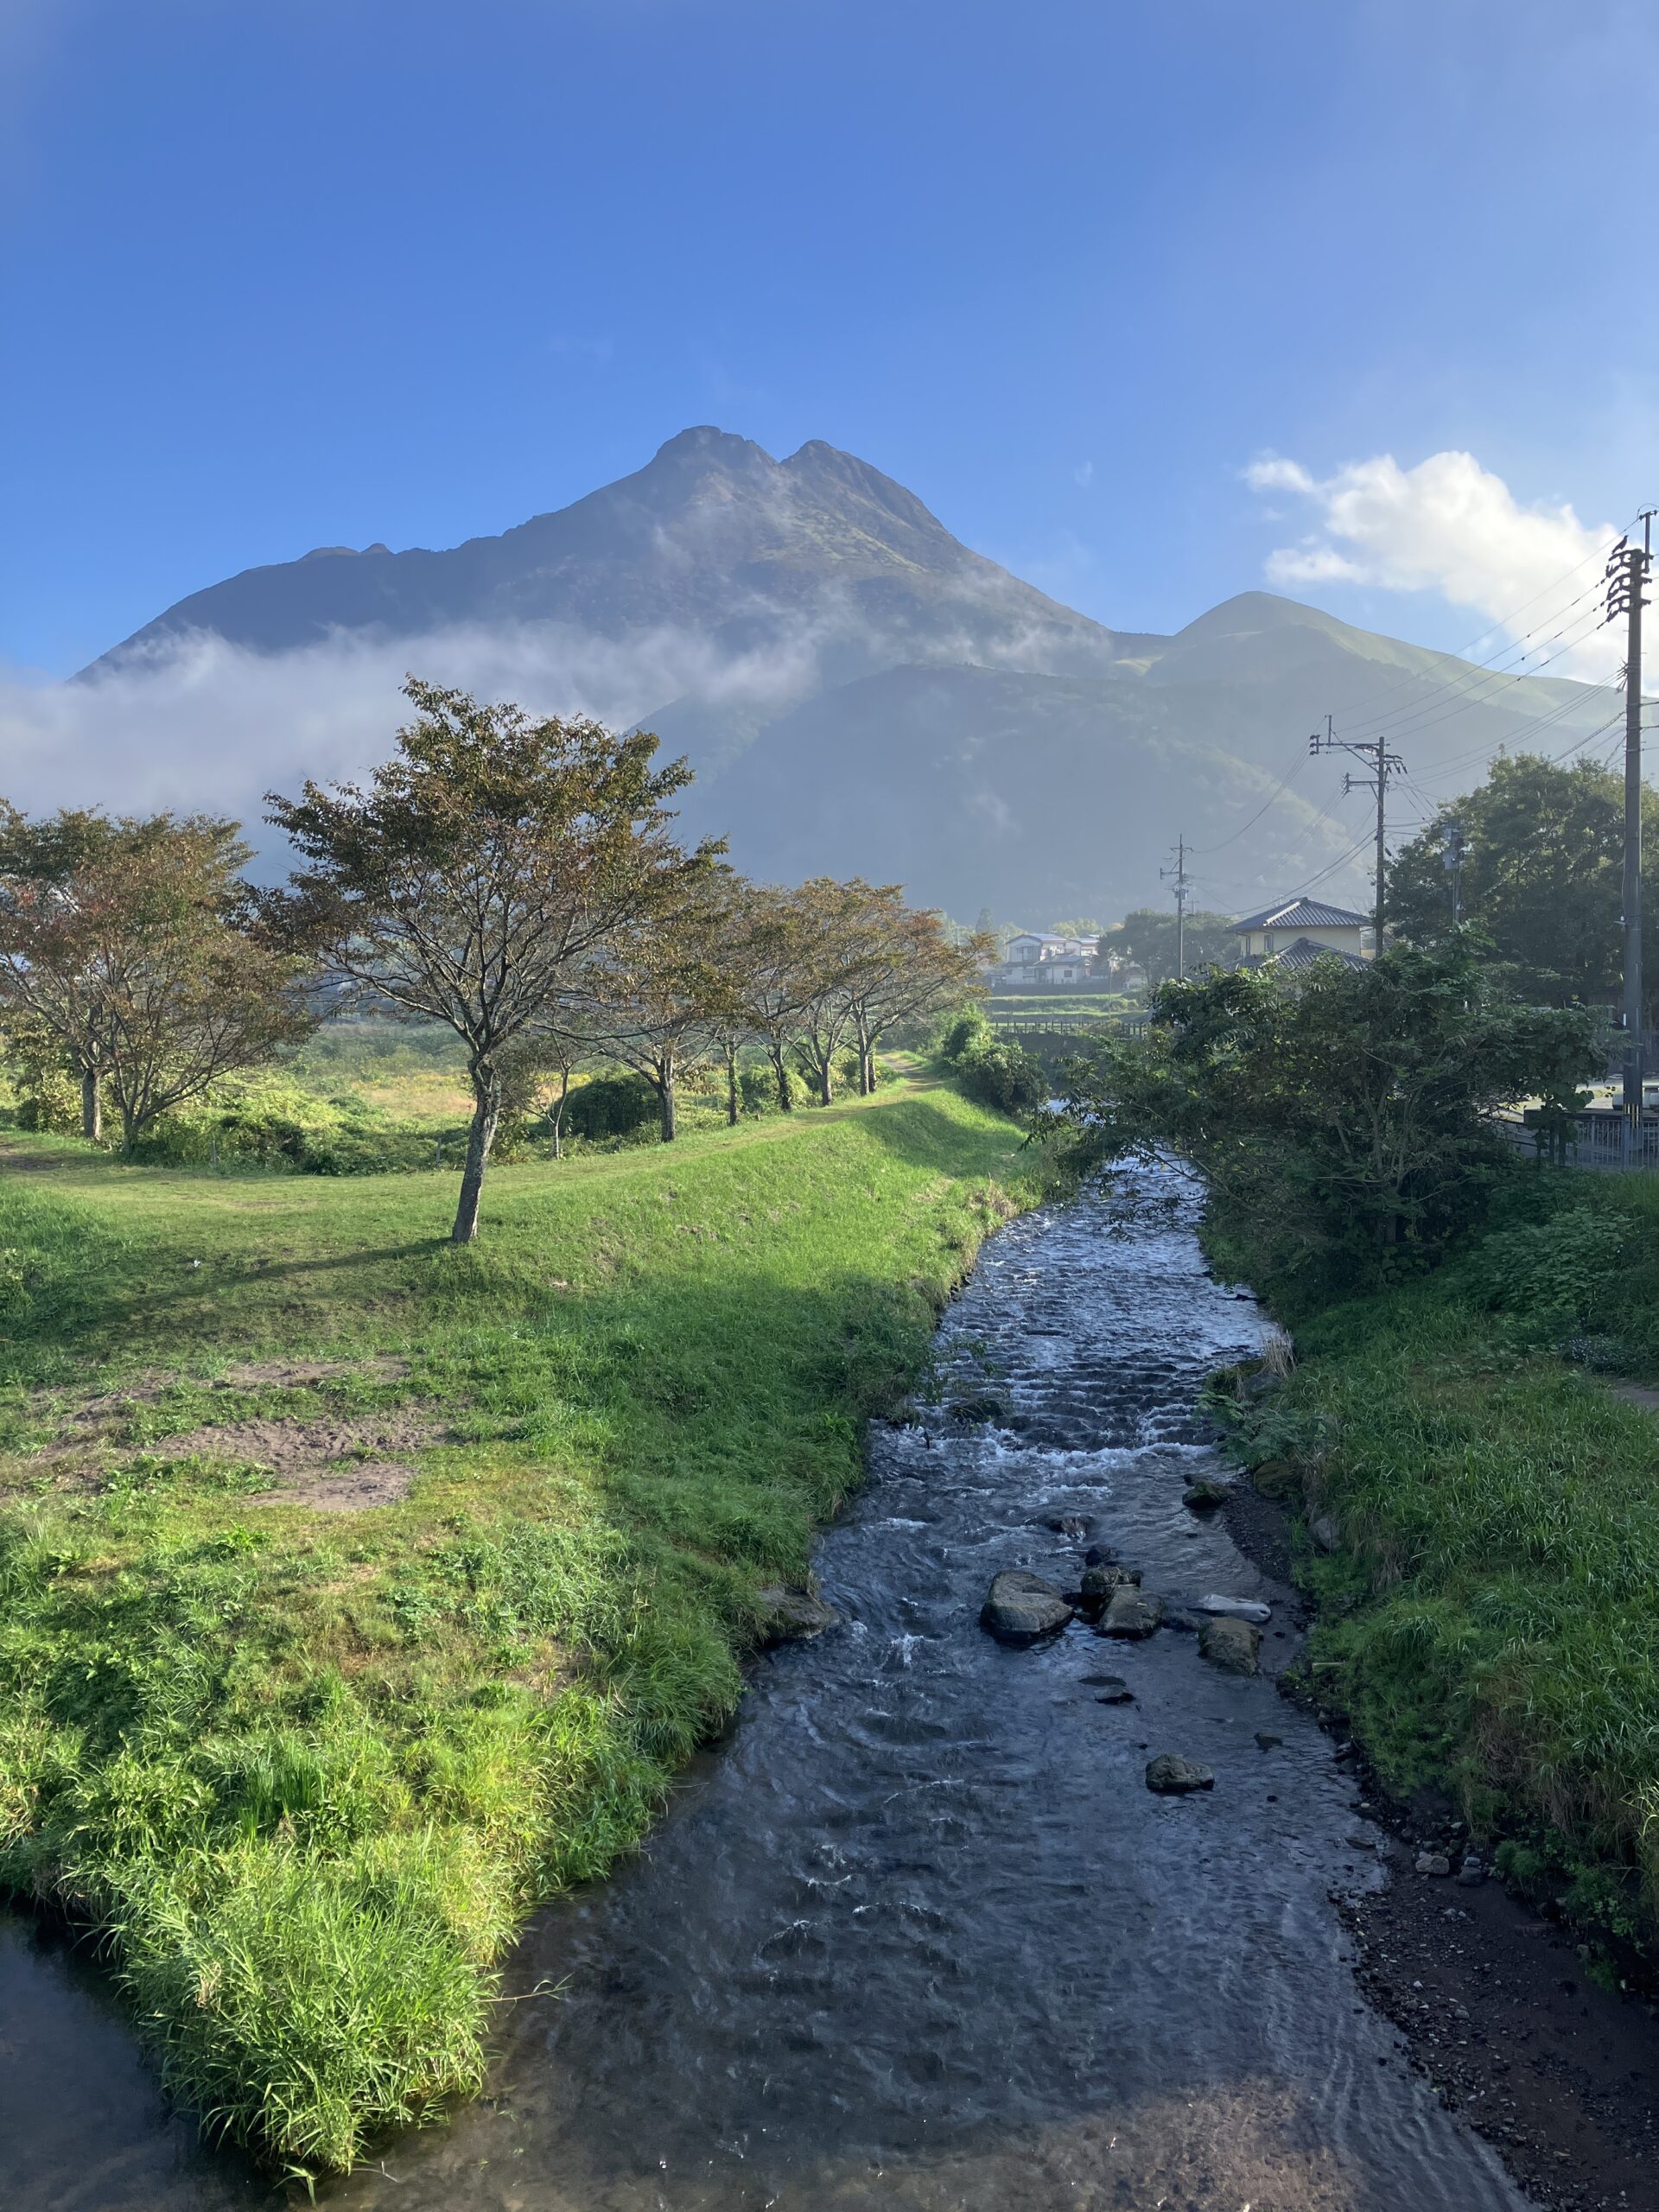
(1489, 1620)
(308, 1768)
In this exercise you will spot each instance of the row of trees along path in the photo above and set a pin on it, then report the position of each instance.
(515, 879)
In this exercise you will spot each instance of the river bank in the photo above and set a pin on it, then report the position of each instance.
(360, 1590)
(1495, 2003)
(1467, 1494)
(916, 1934)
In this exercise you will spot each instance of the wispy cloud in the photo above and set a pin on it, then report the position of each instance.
(1451, 526)
(199, 723)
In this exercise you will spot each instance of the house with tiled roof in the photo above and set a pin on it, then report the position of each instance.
(1294, 935)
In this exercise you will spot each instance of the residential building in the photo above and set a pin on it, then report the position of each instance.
(1296, 934)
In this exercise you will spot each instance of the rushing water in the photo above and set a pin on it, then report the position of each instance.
(916, 1935)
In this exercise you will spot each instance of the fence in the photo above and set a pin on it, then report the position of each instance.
(1602, 1140)
(1067, 1024)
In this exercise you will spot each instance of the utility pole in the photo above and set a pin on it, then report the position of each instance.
(1627, 572)
(1384, 763)
(1453, 855)
(1178, 874)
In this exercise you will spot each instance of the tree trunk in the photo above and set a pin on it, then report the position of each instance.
(733, 1101)
(865, 1060)
(826, 1079)
(665, 1092)
(555, 1117)
(785, 1091)
(91, 1107)
(487, 1112)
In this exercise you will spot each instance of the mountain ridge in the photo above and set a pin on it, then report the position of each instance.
(871, 695)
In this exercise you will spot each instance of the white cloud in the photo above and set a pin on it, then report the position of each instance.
(199, 724)
(1450, 525)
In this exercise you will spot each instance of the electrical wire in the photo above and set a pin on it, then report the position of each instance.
(1503, 621)
(1199, 852)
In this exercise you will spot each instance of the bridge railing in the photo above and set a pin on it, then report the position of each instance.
(1068, 1024)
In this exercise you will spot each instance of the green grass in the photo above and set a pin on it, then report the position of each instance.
(308, 1770)
(1489, 1620)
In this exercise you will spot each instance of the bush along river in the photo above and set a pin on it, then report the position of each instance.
(919, 1933)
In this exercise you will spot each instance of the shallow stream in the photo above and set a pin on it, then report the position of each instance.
(916, 1935)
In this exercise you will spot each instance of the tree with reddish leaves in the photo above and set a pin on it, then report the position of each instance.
(482, 871)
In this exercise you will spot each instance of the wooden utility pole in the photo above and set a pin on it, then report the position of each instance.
(1384, 763)
(1179, 875)
(1627, 572)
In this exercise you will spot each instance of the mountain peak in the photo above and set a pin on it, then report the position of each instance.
(713, 538)
(705, 442)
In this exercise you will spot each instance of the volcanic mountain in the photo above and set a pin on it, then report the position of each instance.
(859, 691)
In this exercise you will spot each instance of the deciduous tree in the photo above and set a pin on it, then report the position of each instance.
(482, 869)
(131, 943)
(1343, 1110)
(1543, 879)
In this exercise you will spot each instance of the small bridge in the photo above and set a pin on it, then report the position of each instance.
(1038, 1025)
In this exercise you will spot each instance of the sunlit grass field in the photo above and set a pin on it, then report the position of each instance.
(307, 1768)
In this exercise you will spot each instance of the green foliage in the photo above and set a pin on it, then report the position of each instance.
(1557, 1268)
(993, 1069)
(1487, 1622)
(306, 1771)
(1543, 879)
(611, 1106)
(968, 1029)
(47, 1099)
(1149, 938)
(1342, 1117)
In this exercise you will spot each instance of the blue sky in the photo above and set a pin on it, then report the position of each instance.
(283, 275)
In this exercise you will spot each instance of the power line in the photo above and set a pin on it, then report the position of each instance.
(1503, 622)
(1202, 852)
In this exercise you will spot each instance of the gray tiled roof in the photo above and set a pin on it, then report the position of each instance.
(1304, 952)
(1304, 914)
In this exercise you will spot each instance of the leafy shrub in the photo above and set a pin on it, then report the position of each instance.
(47, 1101)
(611, 1106)
(968, 1029)
(1557, 1267)
(757, 1090)
(999, 1074)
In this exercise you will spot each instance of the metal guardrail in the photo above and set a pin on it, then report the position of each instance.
(1607, 1143)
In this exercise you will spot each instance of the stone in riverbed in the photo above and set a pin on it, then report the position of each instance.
(1232, 1646)
(1132, 1613)
(1100, 1555)
(1171, 1776)
(1237, 1608)
(1324, 1533)
(1434, 1862)
(1206, 1493)
(792, 1616)
(1099, 1582)
(1021, 1608)
(1110, 1689)
(1067, 1524)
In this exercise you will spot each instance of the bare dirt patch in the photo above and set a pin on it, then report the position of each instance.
(293, 1374)
(337, 1466)
(356, 1489)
